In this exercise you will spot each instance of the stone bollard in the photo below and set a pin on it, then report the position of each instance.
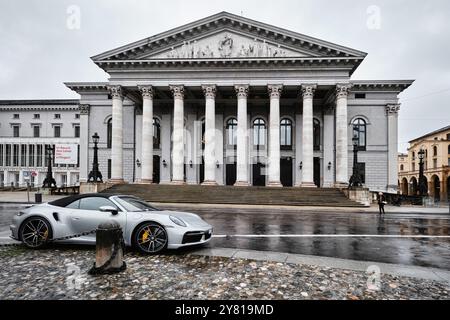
(109, 249)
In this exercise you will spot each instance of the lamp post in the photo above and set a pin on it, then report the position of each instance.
(49, 181)
(355, 179)
(422, 185)
(95, 175)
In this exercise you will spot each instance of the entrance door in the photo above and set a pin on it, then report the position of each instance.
(202, 170)
(156, 169)
(231, 174)
(286, 172)
(317, 171)
(259, 179)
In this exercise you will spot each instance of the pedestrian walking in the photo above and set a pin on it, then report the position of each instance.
(381, 202)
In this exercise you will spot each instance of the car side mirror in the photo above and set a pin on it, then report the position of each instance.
(109, 209)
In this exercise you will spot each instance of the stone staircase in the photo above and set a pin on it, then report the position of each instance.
(235, 195)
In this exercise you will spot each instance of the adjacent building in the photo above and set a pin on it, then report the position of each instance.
(27, 128)
(436, 162)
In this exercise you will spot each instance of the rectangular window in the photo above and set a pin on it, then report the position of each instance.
(77, 116)
(360, 95)
(434, 163)
(31, 155)
(16, 132)
(413, 166)
(77, 131)
(15, 155)
(36, 116)
(23, 155)
(39, 155)
(57, 116)
(57, 131)
(1, 156)
(78, 155)
(16, 116)
(36, 131)
(8, 155)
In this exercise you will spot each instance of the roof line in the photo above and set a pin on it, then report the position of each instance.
(431, 133)
(234, 17)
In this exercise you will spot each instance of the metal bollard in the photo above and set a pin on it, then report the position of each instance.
(109, 249)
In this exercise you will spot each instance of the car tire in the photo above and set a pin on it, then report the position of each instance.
(35, 232)
(150, 238)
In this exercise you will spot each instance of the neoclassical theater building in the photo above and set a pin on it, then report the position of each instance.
(230, 101)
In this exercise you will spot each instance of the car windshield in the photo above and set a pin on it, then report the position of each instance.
(134, 204)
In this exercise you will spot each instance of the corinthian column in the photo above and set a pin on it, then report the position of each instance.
(242, 139)
(117, 135)
(178, 135)
(274, 135)
(392, 115)
(308, 137)
(210, 127)
(147, 134)
(342, 91)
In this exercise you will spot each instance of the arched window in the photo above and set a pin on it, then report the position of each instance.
(360, 131)
(316, 134)
(231, 131)
(259, 132)
(156, 134)
(109, 134)
(434, 151)
(286, 134)
(448, 149)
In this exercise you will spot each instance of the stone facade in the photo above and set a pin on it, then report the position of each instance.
(436, 147)
(228, 100)
(18, 118)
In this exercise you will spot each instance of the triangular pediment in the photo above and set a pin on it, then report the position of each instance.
(224, 36)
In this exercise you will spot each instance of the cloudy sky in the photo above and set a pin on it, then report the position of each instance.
(41, 47)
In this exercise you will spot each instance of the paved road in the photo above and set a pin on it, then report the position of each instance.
(323, 233)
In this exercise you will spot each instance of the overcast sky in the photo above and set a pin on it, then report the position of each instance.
(410, 40)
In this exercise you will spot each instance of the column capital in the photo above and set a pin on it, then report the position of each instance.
(342, 90)
(308, 90)
(241, 90)
(177, 91)
(146, 91)
(84, 108)
(392, 109)
(116, 92)
(209, 90)
(275, 90)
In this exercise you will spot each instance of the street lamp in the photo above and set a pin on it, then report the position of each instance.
(49, 181)
(422, 184)
(355, 179)
(95, 175)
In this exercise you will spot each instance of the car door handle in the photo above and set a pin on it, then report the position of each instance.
(75, 218)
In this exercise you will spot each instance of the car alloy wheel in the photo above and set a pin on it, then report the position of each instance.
(151, 238)
(35, 232)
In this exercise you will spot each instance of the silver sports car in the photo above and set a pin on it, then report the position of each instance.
(148, 229)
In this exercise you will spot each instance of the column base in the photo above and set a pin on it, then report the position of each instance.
(209, 183)
(178, 182)
(145, 181)
(308, 185)
(116, 181)
(275, 184)
(241, 184)
(341, 185)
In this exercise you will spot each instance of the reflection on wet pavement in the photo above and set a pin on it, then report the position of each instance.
(431, 252)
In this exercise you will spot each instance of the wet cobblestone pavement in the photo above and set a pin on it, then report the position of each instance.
(61, 273)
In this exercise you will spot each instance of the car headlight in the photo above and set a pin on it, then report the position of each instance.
(21, 213)
(178, 221)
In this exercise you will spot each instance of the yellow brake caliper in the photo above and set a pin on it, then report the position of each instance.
(145, 236)
(45, 234)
